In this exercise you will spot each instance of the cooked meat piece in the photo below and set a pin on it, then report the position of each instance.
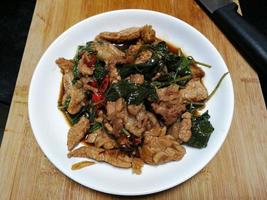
(113, 157)
(64, 64)
(134, 109)
(148, 34)
(77, 98)
(86, 64)
(152, 121)
(156, 131)
(113, 73)
(137, 165)
(169, 104)
(137, 78)
(181, 131)
(108, 127)
(133, 50)
(115, 107)
(194, 91)
(121, 36)
(137, 124)
(77, 133)
(143, 57)
(197, 72)
(137, 119)
(158, 150)
(185, 128)
(101, 139)
(67, 85)
(108, 52)
(174, 129)
(117, 114)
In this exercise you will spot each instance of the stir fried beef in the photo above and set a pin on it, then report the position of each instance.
(77, 133)
(169, 105)
(77, 98)
(146, 33)
(133, 100)
(158, 150)
(65, 65)
(143, 57)
(113, 157)
(100, 139)
(194, 91)
(108, 52)
(181, 131)
(121, 36)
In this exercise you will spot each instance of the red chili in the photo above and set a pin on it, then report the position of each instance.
(104, 85)
(93, 84)
(96, 97)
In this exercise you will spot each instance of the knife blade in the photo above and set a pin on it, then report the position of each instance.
(212, 5)
(250, 41)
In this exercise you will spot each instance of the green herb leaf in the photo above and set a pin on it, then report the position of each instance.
(132, 93)
(95, 127)
(88, 112)
(147, 69)
(75, 73)
(201, 131)
(100, 71)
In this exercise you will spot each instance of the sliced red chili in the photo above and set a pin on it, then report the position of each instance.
(93, 84)
(104, 85)
(96, 97)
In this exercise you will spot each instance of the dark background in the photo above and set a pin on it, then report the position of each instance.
(15, 19)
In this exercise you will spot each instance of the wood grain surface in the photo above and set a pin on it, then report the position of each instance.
(238, 171)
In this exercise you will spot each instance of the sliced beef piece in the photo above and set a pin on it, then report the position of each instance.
(134, 109)
(86, 64)
(137, 78)
(181, 131)
(134, 49)
(121, 36)
(148, 35)
(156, 131)
(67, 85)
(100, 139)
(113, 157)
(197, 72)
(108, 52)
(77, 133)
(194, 91)
(169, 104)
(136, 124)
(117, 115)
(143, 57)
(158, 150)
(77, 98)
(65, 65)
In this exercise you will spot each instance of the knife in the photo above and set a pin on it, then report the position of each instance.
(251, 42)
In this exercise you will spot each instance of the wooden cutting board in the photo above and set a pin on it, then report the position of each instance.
(238, 171)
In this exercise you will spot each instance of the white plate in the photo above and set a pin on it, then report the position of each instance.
(50, 128)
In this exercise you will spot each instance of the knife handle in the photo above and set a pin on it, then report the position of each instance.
(250, 41)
